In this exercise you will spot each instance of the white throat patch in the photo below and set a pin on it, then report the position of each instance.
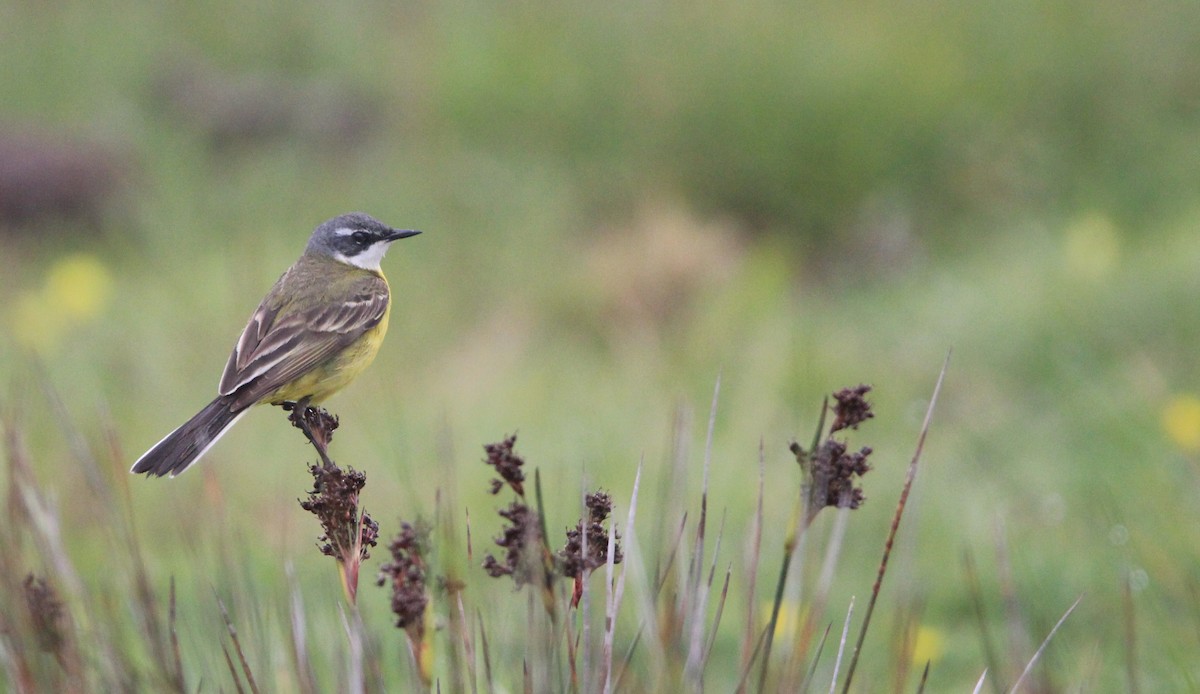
(368, 259)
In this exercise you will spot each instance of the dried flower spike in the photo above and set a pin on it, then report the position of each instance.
(851, 408)
(835, 470)
(347, 534)
(572, 561)
(829, 471)
(507, 464)
(407, 574)
(522, 541)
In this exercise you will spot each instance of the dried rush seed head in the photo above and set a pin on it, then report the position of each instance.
(407, 574)
(571, 560)
(507, 464)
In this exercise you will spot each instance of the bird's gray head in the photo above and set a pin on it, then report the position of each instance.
(356, 239)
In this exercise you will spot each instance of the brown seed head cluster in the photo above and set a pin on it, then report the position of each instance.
(334, 501)
(407, 574)
(834, 471)
(315, 421)
(522, 542)
(508, 465)
(830, 473)
(851, 408)
(571, 559)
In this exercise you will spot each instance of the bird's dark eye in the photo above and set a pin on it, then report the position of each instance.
(361, 237)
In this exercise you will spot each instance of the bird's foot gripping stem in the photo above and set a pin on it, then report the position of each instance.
(316, 423)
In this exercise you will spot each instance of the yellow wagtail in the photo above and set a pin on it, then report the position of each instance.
(318, 328)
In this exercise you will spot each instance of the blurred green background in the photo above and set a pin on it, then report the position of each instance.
(623, 202)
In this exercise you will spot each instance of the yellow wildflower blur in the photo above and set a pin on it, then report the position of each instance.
(76, 290)
(1181, 421)
(790, 617)
(929, 646)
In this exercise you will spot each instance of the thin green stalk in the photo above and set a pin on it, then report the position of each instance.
(909, 478)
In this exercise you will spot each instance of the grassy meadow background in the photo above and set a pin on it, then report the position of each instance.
(622, 204)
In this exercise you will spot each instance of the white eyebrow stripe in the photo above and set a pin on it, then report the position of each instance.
(344, 231)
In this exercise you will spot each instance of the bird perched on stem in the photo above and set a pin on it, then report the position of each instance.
(319, 327)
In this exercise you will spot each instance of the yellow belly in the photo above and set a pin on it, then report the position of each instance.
(330, 377)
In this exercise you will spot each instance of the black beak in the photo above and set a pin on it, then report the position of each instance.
(397, 234)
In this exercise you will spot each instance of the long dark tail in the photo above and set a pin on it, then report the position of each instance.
(185, 445)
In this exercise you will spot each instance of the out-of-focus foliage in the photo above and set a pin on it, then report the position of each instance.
(817, 121)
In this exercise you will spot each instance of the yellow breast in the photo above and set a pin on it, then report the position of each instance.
(330, 377)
